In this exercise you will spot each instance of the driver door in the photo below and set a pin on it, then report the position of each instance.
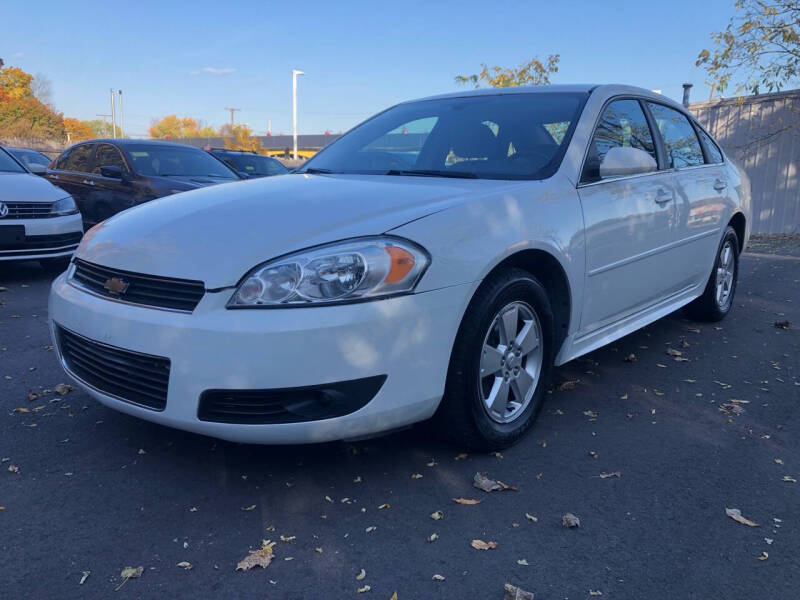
(629, 223)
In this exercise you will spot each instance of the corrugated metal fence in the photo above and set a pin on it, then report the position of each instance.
(762, 133)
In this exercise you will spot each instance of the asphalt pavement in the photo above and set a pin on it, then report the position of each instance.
(646, 447)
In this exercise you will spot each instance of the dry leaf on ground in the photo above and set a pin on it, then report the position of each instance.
(481, 545)
(438, 577)
(129, 573)
(461, 456)
(607, 475)
(482, 482)
(468, 501)
(788, 478)
(364, 589)
(783, 324)
(185, 565)
(249, 508)
(416, 476)
(523, 562)
(568, 385)
(361, 574)
(437, 515)
(515, 593)
(433, 537)
(84, 577)
(570, 520)
(530, 517)
(736, 515)
(257, 558)
(288, 538)
(764, 556)
(384, 505)
(62, 388)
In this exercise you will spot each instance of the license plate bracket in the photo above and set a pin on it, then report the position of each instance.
(12, 234)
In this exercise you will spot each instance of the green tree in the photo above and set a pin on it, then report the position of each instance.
(532, 72)
(759, 49)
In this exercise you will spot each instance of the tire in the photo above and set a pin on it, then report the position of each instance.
(714, 303)
(469, 413)
(55, 266)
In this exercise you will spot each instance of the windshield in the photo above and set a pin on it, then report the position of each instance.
(253, 164)
(513, 136)
(30, 157)
(8, 164)
(174, 161)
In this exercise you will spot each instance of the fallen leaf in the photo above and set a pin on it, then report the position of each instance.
(630, 358)
(673, 352)
(481, 545)
(592, 453)
(249, 508)
(328, 499)
(764, 556)
(607, 475)
(130, 573)
(21, 410)
(142, 451)
(461, 456)
(482, 482)
(361, 574)
(736, 515)
(357, 479)
(523, 562)
(496, 454)
(370, 529)
(193, 509)
(595, 593)
(257, 558)
(437, 515)
(568, 385)
(468, 501)
(769, 541)
(570, 520)
(530, 517)
(384, 505)
(433, 463)
(416, 476)
(591, 414)
(433, 537)
(364, 589)
(62, 389)
(438, 577)
(13, 468)
(785, 478)
(623, 397)
(289, 538)
(394, 596)
(185, 565)
(779, 461)
(84, 577)
(515, 593)
(782, 324)
(32, 396)
(318, 550)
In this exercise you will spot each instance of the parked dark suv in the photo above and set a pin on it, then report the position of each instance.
(108, 176)
(250, 163)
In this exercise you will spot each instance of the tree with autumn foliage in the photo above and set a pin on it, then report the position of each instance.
(532, 72)
(240, 137)
(77, 130)
(175, 127)
(15, 83)
(22, 115)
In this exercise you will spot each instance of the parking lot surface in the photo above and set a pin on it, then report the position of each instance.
(646, 446)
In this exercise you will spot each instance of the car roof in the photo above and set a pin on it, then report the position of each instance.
(24, 150)
(129, 142)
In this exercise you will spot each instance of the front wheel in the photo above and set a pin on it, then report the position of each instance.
(717, 298)
(501, 363)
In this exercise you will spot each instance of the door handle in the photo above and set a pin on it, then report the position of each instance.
(720, 185)
(663, 197)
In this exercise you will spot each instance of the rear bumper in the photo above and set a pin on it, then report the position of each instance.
(44, 238)
(408, 339)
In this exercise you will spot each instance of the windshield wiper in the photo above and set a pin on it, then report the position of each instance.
(433, 173)
(316, 171)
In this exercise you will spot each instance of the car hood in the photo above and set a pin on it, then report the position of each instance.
(217, 234)
(25, 187)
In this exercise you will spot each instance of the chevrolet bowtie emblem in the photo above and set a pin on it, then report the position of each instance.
(115, 285)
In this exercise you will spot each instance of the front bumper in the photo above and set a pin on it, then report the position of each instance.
(45, 238)
(408, 339)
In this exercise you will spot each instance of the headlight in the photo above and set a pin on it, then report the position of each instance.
(340, 272)
(65, 206)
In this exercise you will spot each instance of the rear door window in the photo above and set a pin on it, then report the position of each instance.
(713, 153)
(108, 156)
(78, 159)
(680, 140)
(622, 125)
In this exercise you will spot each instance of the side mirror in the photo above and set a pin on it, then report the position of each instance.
(37, 169)
(243, 175)
(111, 171)
(622, 162)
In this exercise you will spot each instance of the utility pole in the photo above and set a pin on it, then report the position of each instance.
(113, 118)
(121, 116)
(233, 110)
(295, 73)
(105, 120)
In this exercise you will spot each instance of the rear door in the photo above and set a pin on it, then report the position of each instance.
(629, 223)
(702, 198)
(72, 174)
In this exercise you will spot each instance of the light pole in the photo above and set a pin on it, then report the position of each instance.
(113, 117)
(295, 73)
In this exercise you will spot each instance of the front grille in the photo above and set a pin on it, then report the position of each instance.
(288, 405)
(29, 210)
(147, 290)
(140, 379)
(44, 242)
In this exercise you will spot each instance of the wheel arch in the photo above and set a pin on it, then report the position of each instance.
(739, 224)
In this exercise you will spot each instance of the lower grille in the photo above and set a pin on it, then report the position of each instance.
(44, 242)
(288, 405)
(29, 210)
(140, 379)
(147, 290)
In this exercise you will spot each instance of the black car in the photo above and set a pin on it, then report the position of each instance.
(250, 163)
(108, 176)
(35, 161)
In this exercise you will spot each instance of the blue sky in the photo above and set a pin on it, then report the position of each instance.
(196, 58)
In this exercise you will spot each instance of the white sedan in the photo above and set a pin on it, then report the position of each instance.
(435, 261)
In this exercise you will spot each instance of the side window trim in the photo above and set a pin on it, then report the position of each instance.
(119, 154)
(689, 118)
(90, 161)
(654, 134)
(706, 154)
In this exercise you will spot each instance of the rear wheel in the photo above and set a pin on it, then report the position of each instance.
(717, 298)
(501, 363)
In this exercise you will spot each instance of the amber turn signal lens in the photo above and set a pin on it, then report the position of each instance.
(401, 265)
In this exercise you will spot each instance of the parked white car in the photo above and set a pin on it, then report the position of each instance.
(437, 260)
(38, 221)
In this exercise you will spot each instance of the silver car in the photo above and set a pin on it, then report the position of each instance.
(38, 221)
